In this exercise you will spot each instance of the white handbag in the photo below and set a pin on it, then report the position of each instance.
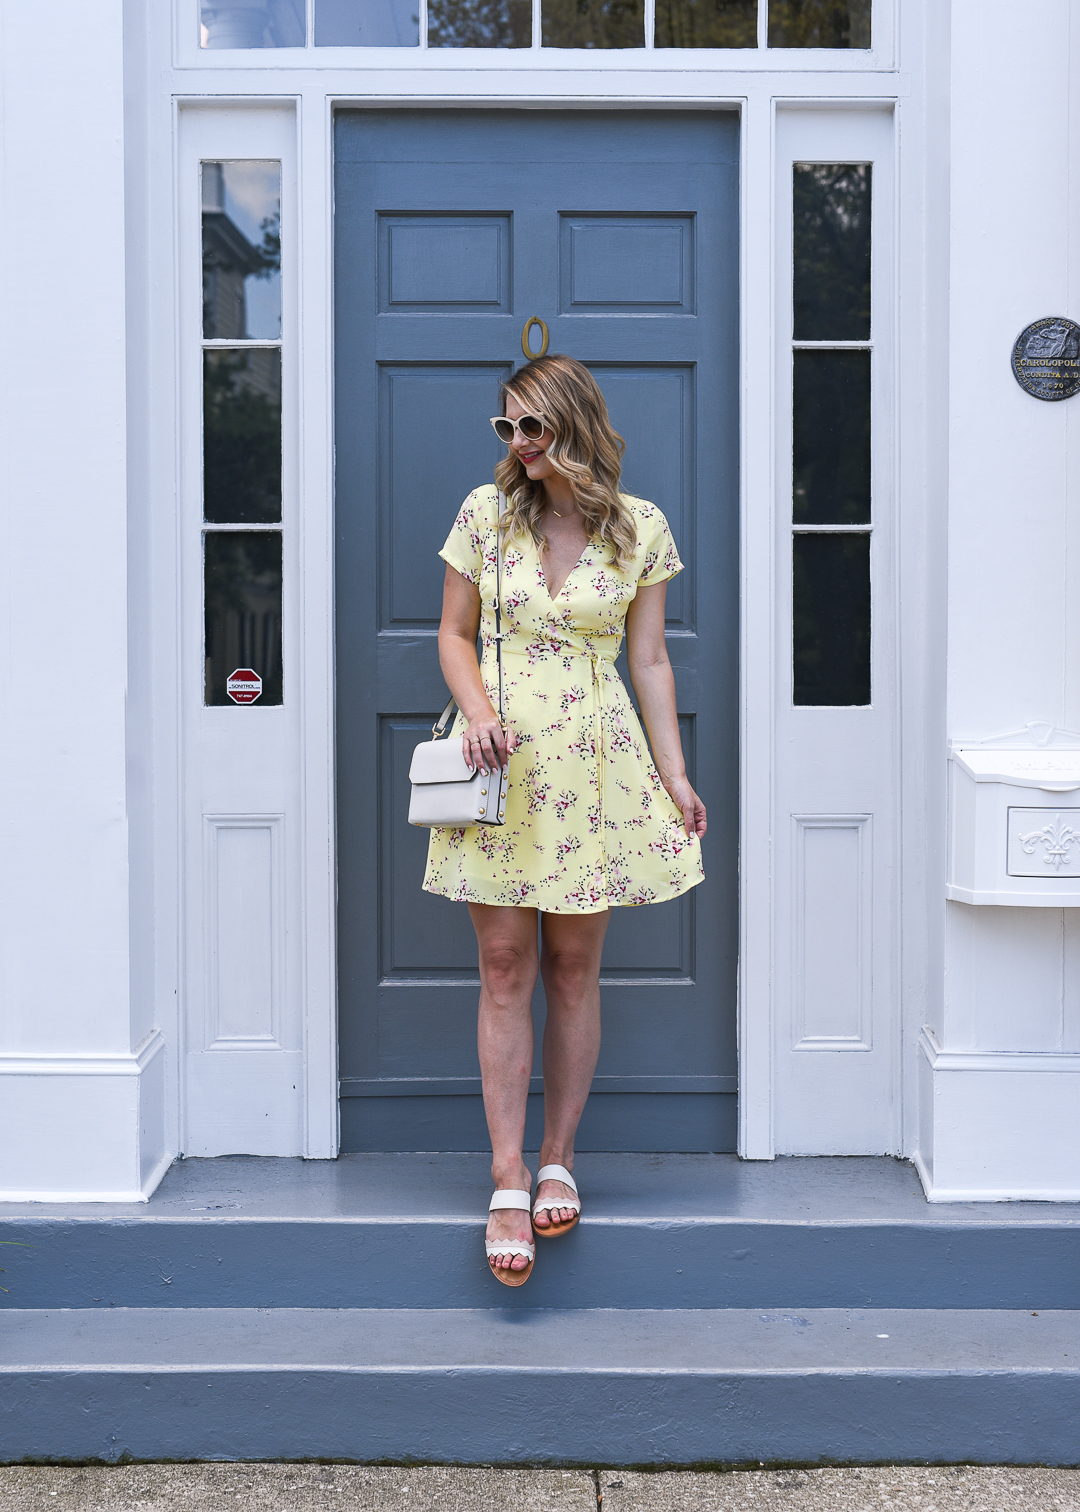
(445, 793)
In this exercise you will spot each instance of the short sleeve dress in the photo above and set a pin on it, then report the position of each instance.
(589, 825)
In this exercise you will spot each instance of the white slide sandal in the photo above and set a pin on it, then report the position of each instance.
(510, 1197)
(554, 1230)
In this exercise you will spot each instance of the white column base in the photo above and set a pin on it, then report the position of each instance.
(83, 1128)
(998, 1127)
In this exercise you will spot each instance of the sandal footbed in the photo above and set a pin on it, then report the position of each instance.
(555, 1230)
(512, 1277)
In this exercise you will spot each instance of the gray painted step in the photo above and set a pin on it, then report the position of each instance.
(682, 1231)
(537, 1386)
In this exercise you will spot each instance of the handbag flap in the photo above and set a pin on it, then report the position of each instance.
(439, 761)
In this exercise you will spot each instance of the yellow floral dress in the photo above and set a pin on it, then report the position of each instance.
(589, 825)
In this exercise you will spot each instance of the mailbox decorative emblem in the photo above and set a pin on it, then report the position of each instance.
(1055, 838)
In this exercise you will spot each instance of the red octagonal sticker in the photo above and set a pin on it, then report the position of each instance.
(243, 686)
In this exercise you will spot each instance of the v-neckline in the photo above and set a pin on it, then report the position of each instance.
(552, 597)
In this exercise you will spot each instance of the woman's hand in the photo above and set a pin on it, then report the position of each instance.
(485, 744)
(693, 810)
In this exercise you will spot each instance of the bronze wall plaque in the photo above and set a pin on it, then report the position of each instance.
(1046, 358)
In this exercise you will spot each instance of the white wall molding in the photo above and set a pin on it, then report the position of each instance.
(996, 1125)
(83, 1127)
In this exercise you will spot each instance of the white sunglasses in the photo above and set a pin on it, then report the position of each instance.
(532, 427)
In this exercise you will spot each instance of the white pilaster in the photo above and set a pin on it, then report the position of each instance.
(80, 1093)
(1000, 1071)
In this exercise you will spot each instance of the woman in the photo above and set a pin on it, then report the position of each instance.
(591, 823)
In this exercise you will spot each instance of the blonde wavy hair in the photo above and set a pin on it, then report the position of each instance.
(587, 451)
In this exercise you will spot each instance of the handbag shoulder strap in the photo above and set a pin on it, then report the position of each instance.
(440, 724)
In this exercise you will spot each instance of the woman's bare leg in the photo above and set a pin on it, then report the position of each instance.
(508, 967)
(570, 966)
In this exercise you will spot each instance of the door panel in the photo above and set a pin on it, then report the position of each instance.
(622, 236)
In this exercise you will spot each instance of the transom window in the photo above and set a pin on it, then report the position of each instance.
(530, 23)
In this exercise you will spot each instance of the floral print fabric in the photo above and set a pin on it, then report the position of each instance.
(589, 825)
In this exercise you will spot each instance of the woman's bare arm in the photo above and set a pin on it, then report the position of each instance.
(654, 684)
(484, 743)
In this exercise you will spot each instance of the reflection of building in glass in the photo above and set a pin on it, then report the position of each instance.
(229, 260)
(252, 23)
(242, 434)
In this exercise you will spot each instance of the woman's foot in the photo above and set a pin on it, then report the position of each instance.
(551, 1191)
(510, 1225)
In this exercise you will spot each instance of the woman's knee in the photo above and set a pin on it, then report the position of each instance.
(570, 971)
(507, 971)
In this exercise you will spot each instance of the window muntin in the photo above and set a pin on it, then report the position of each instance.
(241, 429)
(831, 434)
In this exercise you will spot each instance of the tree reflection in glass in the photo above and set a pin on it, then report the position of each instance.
(593, 23)
(706, 23)
(243, 611)
(831, 438)
(479, 23)
(831, 229)
(819, 23)
(831, 620)
(241, 245)
(242, 435)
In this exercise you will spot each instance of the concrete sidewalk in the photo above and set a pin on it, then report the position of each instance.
(355, 1488)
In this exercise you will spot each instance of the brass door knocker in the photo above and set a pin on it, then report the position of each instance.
(534, 320)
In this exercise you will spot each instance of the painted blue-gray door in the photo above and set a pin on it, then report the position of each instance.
(452, 229)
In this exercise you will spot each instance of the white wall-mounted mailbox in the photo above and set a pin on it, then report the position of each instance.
(1014, 826)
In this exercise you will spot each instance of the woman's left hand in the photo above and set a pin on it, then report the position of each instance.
(693, 810)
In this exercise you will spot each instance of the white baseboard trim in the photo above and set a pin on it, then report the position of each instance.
(88, 1063)
(998, 1061)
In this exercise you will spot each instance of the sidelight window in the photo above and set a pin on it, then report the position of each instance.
(528, 23)
(241, 427)
(831, 434)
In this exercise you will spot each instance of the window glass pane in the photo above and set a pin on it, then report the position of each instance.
(243, 611)
(706, 23)
(241, 240)
(831, 203)
(479, 23)
(242, 435)
(831, 438)
(252, 23)
(367, 23)
(819, 23)
(593, 23)
(831, 619)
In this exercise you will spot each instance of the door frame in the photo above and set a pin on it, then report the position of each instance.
(311, 96)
